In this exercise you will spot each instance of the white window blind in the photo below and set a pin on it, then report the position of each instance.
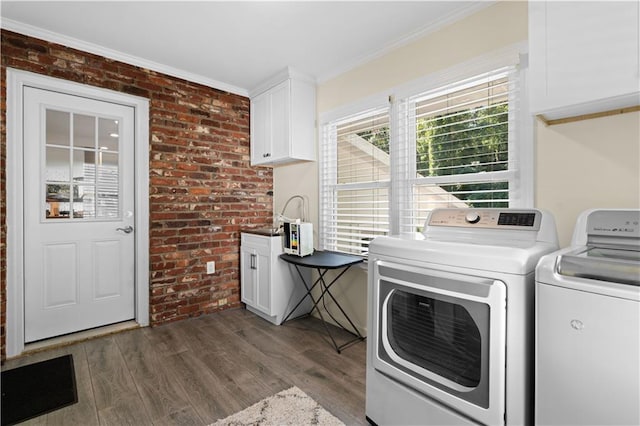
(452, 142)
(454, 147)
(355, 181)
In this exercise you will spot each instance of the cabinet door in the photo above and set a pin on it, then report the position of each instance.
(263, 281)
(281, 120)
(582, 52)
(283, 123)
(260, 129)
(247, 276)
(255, 282)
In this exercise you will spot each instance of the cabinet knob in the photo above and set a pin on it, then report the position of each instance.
(266, 154)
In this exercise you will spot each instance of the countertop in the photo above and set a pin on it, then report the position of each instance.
(267, 232)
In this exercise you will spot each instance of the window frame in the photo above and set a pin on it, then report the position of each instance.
(407, 182)
(521, 148)
(327, 195)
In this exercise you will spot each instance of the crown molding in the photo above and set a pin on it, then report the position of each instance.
(285, 74)
(32, 31)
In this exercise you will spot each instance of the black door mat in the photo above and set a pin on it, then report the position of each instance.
(36, 389)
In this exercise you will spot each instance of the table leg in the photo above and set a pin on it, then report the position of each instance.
(303, 297)
(315, 303)
(325, 290)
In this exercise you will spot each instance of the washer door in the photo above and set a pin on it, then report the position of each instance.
(443, 334)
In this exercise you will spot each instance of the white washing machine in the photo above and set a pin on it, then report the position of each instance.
(588, 324)
(450, 323)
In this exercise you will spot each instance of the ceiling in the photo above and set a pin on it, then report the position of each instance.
(235, 45)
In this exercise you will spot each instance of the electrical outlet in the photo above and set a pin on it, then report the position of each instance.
(211, 267)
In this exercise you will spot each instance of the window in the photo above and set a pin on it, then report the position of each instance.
(455, 145)
(81, 166)
(355, 181)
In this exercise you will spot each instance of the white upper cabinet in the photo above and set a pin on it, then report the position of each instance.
(584, 57)
(283, 113)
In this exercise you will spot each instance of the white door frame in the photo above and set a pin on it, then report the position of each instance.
(16, 80)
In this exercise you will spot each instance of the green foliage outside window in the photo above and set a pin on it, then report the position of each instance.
(471, 141)
(464, 142)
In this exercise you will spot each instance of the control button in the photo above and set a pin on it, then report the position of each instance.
(472, 217)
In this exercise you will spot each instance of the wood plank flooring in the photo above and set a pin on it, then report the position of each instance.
(197, 371)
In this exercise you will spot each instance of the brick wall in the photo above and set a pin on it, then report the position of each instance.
(202, 189)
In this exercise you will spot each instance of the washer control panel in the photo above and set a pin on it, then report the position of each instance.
(526, 220)
(614, 223)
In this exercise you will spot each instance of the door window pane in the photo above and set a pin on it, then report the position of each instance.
(89, 167)
(84, 167)
(58, 128)
(57, 165)
(86, 207)
(57, 199)
(108, 184)
(108, 134)
(84, 131)
(82, 171)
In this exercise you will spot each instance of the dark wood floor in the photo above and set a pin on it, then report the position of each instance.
(196, 371)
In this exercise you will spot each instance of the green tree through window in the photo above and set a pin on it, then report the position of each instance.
(469, 141)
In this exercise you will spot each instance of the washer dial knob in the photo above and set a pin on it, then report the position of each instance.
(472, 217)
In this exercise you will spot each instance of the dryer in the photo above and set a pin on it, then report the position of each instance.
(588, 324)
(450, 323)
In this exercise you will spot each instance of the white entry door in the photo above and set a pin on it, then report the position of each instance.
(79, 252)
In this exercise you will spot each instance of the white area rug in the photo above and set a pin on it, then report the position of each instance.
(289, 407)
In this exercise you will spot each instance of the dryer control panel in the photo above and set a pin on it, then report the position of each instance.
(514, 219)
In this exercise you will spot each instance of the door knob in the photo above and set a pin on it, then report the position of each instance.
(127, 229)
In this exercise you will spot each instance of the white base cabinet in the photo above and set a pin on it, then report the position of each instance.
(584, 56)
(269, 286)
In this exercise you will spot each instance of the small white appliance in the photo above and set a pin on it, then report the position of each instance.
(450, 323)
(298, 238)
(588, 324)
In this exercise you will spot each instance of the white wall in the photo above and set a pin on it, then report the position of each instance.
(587, 164)
(580, 165)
